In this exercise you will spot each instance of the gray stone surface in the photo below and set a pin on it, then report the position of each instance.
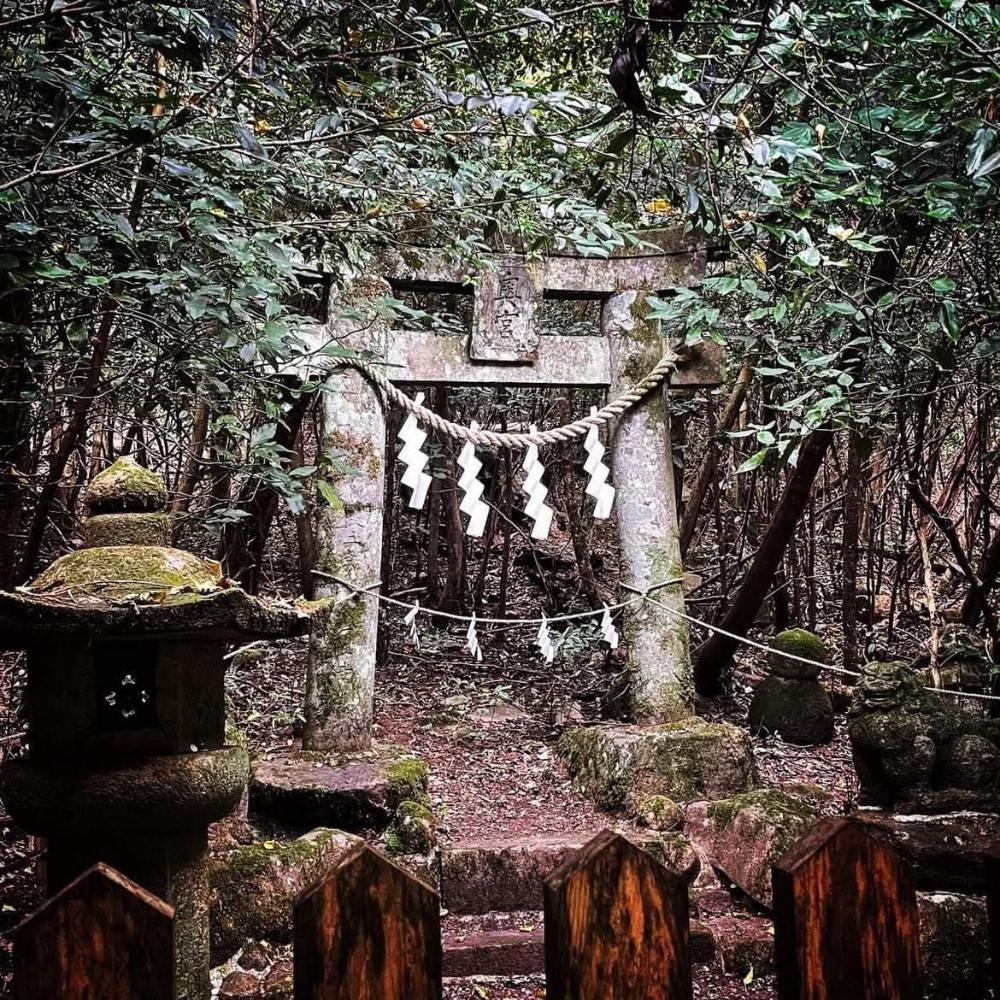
(340, 678)
(745, 835)
(619, 767)
(486, 876)
(954, 946)
(254, 887)
(304, 794)
(643, 475)
(799, 711)
(495, 953)
(917, 751)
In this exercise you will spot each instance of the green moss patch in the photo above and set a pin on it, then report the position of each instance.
(799, 642)
(128, 570)
(409, 778)
(125, 486)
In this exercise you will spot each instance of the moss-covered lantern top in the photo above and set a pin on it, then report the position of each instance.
(128, 577)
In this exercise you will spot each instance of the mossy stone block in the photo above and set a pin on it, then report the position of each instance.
(126, 529)
(126, 570)
(412, 830)
(620, 767)
(746, 834)
(797, 642)
(125, 486)
(254, 887)
(799, 711)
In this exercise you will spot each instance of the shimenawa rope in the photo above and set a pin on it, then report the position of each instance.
(487, 438)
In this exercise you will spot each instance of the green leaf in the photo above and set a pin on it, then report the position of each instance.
(754, 461)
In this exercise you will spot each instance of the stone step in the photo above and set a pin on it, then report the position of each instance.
(496, 945)
(302, 795)
(498, 951)
(484, 876)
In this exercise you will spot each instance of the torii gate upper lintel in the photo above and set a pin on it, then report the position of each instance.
(504, 348)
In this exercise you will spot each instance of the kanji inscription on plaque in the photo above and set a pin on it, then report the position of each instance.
(503, 323)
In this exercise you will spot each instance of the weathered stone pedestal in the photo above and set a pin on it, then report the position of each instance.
(124, 702)
(792, 702)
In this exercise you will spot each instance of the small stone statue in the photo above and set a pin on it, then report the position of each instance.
(792, 702)
(916, 750)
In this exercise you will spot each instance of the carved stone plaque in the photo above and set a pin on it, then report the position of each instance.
(503, 320)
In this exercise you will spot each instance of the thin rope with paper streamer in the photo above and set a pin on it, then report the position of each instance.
(608, 631)
(643, 595)
(410, 619)
(472, 640)
(598, 487)
(545, 644)
(536, 508)
(414, 458)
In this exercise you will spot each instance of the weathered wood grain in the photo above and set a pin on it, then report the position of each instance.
(367, 931)
(616, 926)
(101, 937)
(993, 905)
(845, 919)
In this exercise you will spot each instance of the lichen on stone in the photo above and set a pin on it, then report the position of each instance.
(775, 806)
(125, 486)
(660, 812)
(126, 529)
(409, 778)
(412, 828)
(123, 571)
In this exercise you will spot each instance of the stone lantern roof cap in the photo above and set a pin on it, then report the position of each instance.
(125, 486)
(129, 579)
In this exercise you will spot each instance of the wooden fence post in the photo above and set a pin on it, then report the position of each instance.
(845, 919)
(367, 931)
(101, 936)
(993, 906)
(616, 926)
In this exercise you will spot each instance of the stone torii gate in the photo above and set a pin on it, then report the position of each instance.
(505, 349)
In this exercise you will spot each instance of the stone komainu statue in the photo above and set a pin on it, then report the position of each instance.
(917, 751)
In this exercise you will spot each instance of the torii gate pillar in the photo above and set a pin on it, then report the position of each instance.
(340, 682)
(662, 687)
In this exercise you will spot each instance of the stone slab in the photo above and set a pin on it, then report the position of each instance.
(620, 766)
(946, 853)
(954, 946)
(507, 875)
(418, 357)
(303, 795)
(742, 942)
(254, 887)
(496, 953)
(745, 835)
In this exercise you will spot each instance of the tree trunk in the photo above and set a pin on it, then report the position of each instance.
(715, 655)
(244, 540)
(850, 548)
(709, 467)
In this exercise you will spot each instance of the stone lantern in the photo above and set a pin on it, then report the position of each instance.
(125, 705)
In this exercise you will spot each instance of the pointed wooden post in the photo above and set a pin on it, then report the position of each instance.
(845, 919)
(616, 926)
(993, 905)
(368, 931)
(102, 936)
